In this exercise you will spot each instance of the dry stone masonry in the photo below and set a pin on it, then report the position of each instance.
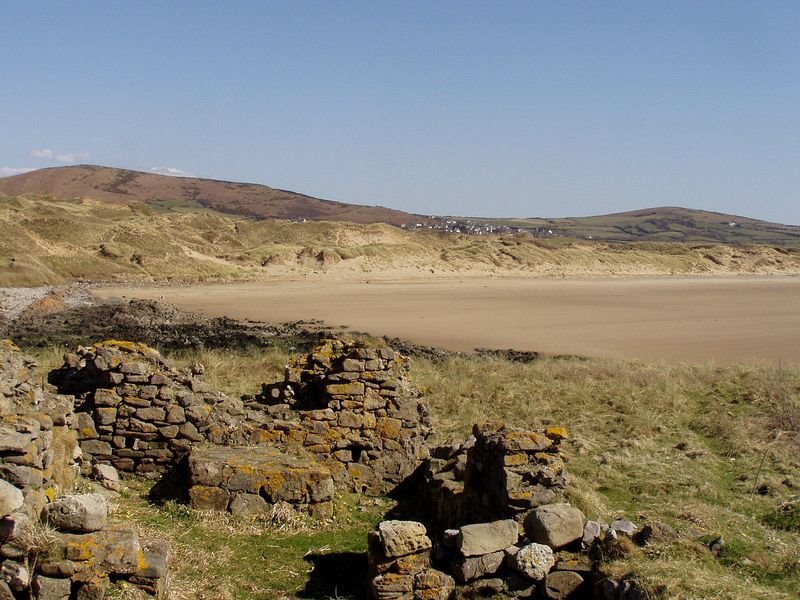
(497, 525)
(492, 519)
(354, 404)
(55, 545)
(497, 473)
(345, 413)
(140, 415)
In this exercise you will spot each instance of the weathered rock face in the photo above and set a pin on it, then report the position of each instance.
(498, 473)
(249, 480)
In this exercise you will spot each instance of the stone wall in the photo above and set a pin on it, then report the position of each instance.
(345, 405)
(498, 473)
(353, 404)
(497, 525)
(78, 552)
(141, 415)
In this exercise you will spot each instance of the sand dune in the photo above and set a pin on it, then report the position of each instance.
(693, 319)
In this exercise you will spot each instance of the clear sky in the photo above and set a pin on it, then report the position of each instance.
(510, 108)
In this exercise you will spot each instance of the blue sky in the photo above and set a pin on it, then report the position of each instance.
(443, 107)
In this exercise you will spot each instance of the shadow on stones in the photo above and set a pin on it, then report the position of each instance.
(336, 575)
(172, 485)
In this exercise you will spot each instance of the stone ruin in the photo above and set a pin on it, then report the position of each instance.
(498, 473)
(490, 513)
(345, 415)
(55, 545)
(493, 522)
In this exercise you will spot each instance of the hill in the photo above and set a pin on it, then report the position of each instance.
(664, 224)
(52, 241)
(189, 194)
(122, 186)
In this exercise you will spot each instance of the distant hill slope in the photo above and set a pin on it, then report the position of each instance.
(667, 224)
(123, 186)
(52, 241)
(189, 194)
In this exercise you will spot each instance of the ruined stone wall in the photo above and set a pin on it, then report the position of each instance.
(494, 523)
(79, 551)
(345, 405)
(498, 473)
(141, 415)
(36, 444)
(355, 405)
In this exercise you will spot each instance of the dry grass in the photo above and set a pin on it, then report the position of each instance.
(684, 444)
(680, 444)
(215, 556)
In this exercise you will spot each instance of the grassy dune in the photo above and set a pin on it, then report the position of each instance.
(709, 450)
(44, 241)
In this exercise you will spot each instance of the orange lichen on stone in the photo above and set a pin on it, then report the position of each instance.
(556, 433)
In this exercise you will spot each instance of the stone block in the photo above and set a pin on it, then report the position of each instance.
(555, 525)
(96, 448)
(106, 397)
(355, 388)
(399, 538)
(14, 442)
(84, 424)
(105, 415)
(153, 560)
(533, 561)
(203, 497)
(484, 538)
(11, 498)
(50, 588)
(474, 567)
(248, 505)
(392, 586)
(431, 584)
(111, 551)
(81, 513)
(562, 585)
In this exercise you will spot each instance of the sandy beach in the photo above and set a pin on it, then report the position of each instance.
(675, 319)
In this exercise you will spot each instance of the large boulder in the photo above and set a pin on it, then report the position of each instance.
(555, 525)
(484, 538)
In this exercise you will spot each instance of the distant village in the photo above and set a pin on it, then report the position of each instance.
(471, 227)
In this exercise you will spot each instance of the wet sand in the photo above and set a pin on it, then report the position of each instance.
(683, 319)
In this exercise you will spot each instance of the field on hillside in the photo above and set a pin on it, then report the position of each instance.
(44, 241)
(713, 452)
